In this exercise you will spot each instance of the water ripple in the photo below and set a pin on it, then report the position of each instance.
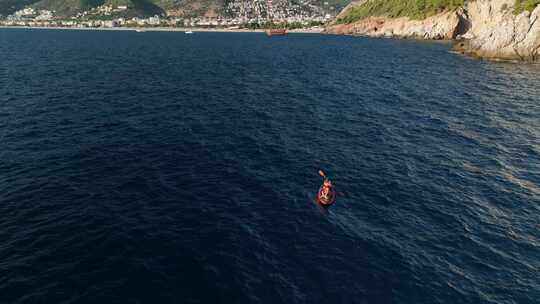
(156, 168)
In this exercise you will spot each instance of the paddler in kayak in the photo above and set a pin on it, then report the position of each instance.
(326, 189)
(327, 193)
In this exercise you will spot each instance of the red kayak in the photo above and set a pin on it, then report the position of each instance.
(327, 201)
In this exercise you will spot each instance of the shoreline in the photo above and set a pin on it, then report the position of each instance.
(320, 31)
(161, 29)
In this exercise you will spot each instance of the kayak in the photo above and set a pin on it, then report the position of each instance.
(329, 201)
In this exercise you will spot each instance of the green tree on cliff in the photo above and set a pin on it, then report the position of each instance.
(525, 5)
(415, 9)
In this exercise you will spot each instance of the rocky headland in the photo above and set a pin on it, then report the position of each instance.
(492, 29)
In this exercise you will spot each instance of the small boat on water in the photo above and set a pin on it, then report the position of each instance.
(276, 32)
(189, 32)
(326, 200)
(326, 196)
(140, 31)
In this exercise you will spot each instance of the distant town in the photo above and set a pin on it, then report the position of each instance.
(238, 14)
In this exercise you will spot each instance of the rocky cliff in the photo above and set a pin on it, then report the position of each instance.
(484, 28)
(441, 26)
(496, 32)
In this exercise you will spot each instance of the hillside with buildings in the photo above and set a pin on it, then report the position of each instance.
(254, 9)
(253, 14)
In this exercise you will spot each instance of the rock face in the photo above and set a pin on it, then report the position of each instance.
(484, 28)
(442, 26)
(497, 33)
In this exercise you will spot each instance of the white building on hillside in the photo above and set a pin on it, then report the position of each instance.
(44, 15)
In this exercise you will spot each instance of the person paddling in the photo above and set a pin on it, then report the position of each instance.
(326, 189)
(327, 194)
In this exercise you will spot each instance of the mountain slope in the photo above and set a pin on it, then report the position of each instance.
(71, 7)
(414, 9)
(193, 8)
(64, 7)
(9, 6)
(186, 8)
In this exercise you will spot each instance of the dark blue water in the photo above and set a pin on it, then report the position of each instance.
(172, 168)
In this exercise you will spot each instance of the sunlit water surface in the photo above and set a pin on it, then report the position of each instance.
(172, 168)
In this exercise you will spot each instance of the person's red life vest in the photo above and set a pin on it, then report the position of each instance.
(329, 198)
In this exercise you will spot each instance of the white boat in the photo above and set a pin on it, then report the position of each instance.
(140, 31)
(189, 32)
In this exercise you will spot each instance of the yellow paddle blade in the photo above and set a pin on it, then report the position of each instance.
(321, 173)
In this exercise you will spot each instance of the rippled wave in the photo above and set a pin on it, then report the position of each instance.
(170, 168)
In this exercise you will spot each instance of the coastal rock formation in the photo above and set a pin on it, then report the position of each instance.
(442, 26)
(484, 28)
(497, 33)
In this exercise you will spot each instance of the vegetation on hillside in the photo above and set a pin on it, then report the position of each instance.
(91, 3)
(62, 7)
(9, 6)
(338, 5)
(70, 7)
(186, 8)
(414, 9)
(525, 5)
(118, 2)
